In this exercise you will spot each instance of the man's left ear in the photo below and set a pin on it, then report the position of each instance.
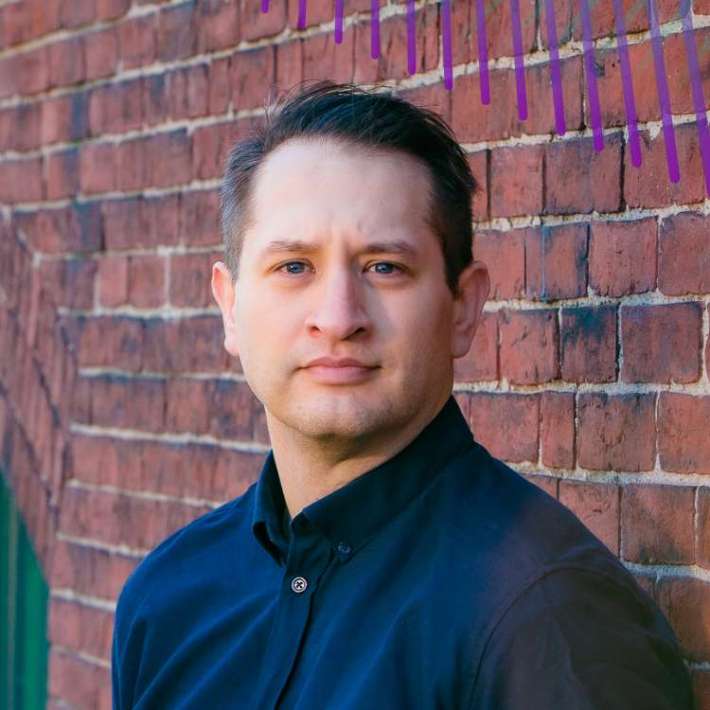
(474, 286)
(224, 292)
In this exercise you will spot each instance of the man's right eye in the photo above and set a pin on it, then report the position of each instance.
(290, 263)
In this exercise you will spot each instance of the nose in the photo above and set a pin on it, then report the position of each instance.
(338, 310)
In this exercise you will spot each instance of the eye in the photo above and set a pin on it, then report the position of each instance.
(387, 263)
(290, 263)
(285, 268)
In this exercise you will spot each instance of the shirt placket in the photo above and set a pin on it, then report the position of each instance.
(308, 557)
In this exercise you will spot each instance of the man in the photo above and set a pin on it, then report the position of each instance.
(383, 559)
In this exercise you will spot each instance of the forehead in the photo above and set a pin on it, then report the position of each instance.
(320, 186)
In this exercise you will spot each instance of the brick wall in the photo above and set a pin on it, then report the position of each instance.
(121, 416)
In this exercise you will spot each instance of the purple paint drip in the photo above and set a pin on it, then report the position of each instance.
(627, 83)
(590, 73)
(301, 14)
(483, 52)
(411, 38)
(519, 62)
(557, 96)
(264, 5)
(375, 29)
(663, 98)
(446, 44)
(339, 21)
(697, 89)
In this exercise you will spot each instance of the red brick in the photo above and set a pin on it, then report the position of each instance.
(579, 178)
(199, 218)
(113, 280)
(131, 165)
(194, 418)
(33, 71)
(662, 343)
(256, 24)
(176, 32)
(252, 73)
(686, 604)
(80, 627)
(504, 255)
(528, 346)
(616, 433)
(392, 62)
(481, 361)
(64, 229)
(188, 92)
(478, 162)
(546, 483)
(146, 281)
(168, 159)
(516, 181)
(703, 527)
(111, 9)
(649, 185)
(323, 57)
(110, 341)
(684, 257)
(498, 23)
(62, 174)
(164, 345)
(701, 684)
(155, 99)
(557, 429)
(217, 25)
(75, 14)
(138, 40)
(597, 506)
(556, 262)
(683, 441)
(77, 682)
(70, 281)
(21, 180)
(97, 167)
(212, 143)
(320, 11)
(116, 108)
(65, 118)
(588, 344)
(20, 127)
(622, 257)
(506, 424)
(66, 62)
(435, 97)
(219, 92)
(657, 524)
(101, 52)
(288, 64)
(677, 71)
(140, 222)
(190, 279)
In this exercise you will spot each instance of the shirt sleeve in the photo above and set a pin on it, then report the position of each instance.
(582, 640)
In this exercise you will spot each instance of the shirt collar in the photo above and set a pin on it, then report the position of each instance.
(350, 515)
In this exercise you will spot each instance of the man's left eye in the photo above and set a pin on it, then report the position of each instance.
(386, 264)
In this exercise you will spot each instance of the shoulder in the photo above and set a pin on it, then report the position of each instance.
(177, 554)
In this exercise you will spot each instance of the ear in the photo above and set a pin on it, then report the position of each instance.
(224, 292)
(474, 285)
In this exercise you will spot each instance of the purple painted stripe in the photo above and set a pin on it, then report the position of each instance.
(663, 98)
(375, 29)
(627, 83)
(446, 44)
(519, 63)
(339, 21)
(701, 120)
(591, 76)
(483, 52)
(264, 5)
(557, 96)
(411, 38)
(301, 14)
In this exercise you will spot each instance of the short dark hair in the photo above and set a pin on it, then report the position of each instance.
(369, 119)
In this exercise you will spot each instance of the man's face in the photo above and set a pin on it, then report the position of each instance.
(347, 293)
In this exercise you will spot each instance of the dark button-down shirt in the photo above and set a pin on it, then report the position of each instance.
(439, 579)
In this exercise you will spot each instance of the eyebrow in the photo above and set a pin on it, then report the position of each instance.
(397, 246)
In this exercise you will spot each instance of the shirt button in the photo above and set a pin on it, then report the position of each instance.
(299, 584)
(344, 548)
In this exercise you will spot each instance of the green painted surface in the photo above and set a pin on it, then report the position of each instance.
(23, 614)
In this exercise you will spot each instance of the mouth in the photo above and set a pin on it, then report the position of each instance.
(349, 374)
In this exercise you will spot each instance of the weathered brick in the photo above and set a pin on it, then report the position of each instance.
(597, 506)
(323, 57)
(75, 14)
(113, 280)
(288, 64)
(146, 280)
(190, 279)
(176, 32)
(80, 627)
(63, 229)
(588, 343)
(32, 70)
(101, 53)
(556, 262)
(516, 181)
(20, 127)
(684, 257)
(662, 343)
(62, 174)
(168, 159)
(219, 91)
(188, 92)
(111, 9)
(97, 167)
(252, 73)
(21, 180)
(70, 281)
(622, 257)
(506, 424)
(138, 40)
(65, 118)
(478, 162)
(657, 524)
(686, 604)
(116, 108)
(481, 361)
(75, 680)
(557, 429)
(66, 62)
(217, 25)
(616, 432)
(683, 441)
(256, 24)
(528, 346)
(199, 218)
(703, 527)
(504, 255)
(140, 222)
(110, 341)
